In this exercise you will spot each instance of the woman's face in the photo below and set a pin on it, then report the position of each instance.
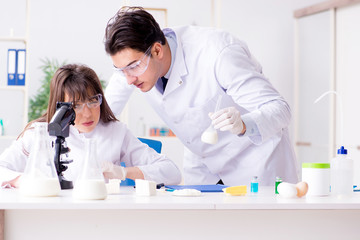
(86, 118)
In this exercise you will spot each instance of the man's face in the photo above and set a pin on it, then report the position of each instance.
(139, 68)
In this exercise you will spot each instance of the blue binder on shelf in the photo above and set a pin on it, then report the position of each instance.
(21, 66)
(16, 66)
(11, 66)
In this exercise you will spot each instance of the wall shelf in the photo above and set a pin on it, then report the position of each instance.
(14, 88)
(5, 137)
(13, 39)
(15, 113)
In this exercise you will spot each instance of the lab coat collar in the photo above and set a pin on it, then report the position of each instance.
(179, 69)
(91, 134)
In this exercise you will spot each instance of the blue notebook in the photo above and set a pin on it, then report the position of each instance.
(202, 188)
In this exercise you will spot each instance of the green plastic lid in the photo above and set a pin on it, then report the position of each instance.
(316, 165)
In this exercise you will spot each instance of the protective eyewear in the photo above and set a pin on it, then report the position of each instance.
(93, 102)
(137, 68)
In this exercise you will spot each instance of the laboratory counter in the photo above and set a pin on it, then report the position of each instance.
(164, 216)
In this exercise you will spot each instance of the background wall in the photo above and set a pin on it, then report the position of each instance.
(73, 30)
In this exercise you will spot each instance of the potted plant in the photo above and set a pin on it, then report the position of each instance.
(38, 104)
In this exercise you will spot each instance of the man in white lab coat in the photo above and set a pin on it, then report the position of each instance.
(182, 71)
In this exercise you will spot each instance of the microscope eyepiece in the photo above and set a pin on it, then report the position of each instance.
(62, 119)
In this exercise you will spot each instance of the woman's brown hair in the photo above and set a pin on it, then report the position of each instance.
(78, 82)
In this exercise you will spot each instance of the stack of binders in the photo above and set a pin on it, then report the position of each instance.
(16, 66)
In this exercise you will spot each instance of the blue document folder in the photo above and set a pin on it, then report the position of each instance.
(11, 66)
(21, 66)
(202, 188)
(16, 66)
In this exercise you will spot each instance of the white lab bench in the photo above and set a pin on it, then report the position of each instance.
(210, 216)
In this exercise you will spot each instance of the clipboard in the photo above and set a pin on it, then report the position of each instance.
(201, 188)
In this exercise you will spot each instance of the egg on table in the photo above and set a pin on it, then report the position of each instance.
(289, 190)
(302, 188)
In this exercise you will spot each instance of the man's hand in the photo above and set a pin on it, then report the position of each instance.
(228, 119)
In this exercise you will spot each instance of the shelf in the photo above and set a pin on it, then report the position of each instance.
(13, 39)
(15, 97)
(6, 137)
(15, 88)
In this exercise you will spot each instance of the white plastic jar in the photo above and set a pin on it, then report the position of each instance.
(317, 176)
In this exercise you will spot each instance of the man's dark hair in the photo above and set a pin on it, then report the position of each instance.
(132, 27)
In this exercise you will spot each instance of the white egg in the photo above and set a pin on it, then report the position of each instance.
(287, 190)
(302, 188)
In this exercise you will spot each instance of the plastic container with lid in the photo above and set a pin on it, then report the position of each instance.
(317, 176)
(342, 174)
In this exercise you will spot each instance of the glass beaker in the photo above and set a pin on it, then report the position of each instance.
(210, 135)
(40, 178)
(90, 184)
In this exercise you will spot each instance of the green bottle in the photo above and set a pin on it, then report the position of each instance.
(277, 182)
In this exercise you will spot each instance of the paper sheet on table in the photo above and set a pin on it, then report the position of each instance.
(202, 188)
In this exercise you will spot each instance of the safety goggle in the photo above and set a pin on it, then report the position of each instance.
(93, 102)
(137, 68)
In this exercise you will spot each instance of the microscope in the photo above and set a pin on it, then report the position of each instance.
(59, 127)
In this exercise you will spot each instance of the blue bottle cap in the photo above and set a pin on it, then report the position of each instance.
(342, 150)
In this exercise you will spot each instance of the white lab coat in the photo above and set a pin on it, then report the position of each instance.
(209, 63)
(115, 143)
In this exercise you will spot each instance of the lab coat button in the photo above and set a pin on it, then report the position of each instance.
(180, 82)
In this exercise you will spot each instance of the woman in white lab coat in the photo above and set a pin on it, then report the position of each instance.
(200, 65)
(94, 119)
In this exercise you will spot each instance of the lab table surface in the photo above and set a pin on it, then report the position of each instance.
(164, 216)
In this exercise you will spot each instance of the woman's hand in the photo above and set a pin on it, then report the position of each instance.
(12, 183)
(111, 171)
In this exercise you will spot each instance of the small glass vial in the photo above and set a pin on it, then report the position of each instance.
(277, 182)
(254, 185)
(2, 131)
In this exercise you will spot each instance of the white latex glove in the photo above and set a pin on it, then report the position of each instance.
(228, 119)
(112, 171)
